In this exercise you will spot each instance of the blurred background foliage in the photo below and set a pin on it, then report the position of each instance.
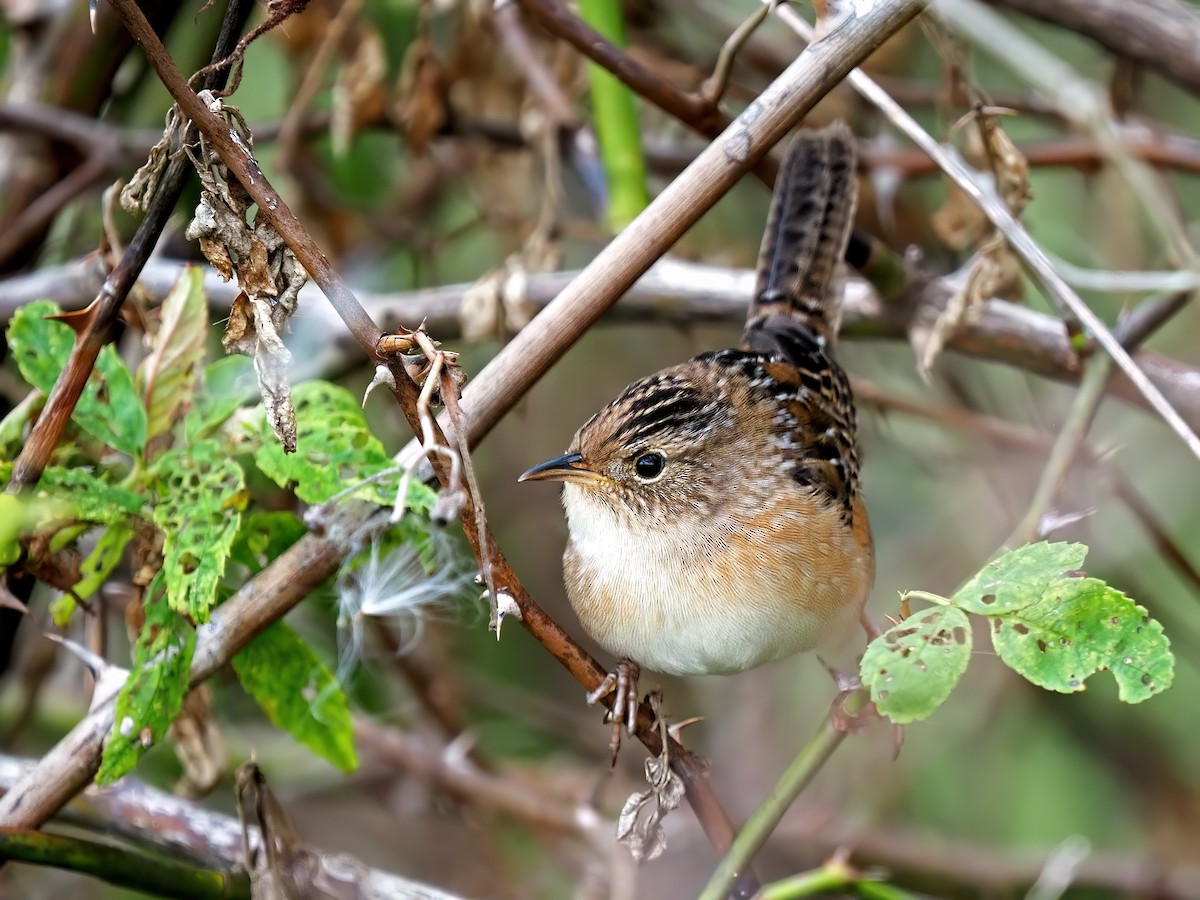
(419, 163)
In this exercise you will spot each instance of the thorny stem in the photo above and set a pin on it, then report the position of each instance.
(27, 468)
(71, 763)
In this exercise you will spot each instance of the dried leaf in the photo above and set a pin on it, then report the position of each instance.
(639, 826)
(358, 92)
(422, 107)
(992, 272)
(136, 196)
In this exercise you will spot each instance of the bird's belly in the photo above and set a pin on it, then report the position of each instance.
(708, 612)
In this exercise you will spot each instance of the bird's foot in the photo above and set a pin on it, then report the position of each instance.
(624, 682)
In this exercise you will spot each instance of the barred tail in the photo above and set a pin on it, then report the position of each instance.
(807, 231)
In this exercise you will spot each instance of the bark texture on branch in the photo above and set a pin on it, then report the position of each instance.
(1163, 35)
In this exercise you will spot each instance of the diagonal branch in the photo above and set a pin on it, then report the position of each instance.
(27, 468)
(70, 765)
(1160, 34)
(1025, 247)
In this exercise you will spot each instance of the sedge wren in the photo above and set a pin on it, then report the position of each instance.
(716, 521)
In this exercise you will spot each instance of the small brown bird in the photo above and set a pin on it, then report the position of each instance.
(716, 521)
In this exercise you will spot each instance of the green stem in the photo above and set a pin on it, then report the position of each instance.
(835, 875)
(936, 599)
(1083, 410)
(764, 820)
(615, 118)
(123, 867)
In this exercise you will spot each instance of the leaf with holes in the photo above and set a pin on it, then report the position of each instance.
(167, 377)
(1018, 578)
(334, 450)
(105, 557)
(1078, 627)
(109, 408)
(153, 694)
(298, 693)
(86, 497)
(199, 511)
(912, 667)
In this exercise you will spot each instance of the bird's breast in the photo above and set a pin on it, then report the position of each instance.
(714, 594)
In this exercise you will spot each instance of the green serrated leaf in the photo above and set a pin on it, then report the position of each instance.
(105, 557)
(1078, 627)
(334, 450)
(227, 384)
(912, 667)
(109, 408)
(199, 511)
(153, 694)
(1018, 578)
(298, 693)
(167, 377)
(85, 497)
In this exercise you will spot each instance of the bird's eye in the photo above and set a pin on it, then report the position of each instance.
(649, 465)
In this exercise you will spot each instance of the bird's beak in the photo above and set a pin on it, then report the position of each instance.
(567, 467)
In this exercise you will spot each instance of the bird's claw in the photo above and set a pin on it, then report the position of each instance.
(624, 682)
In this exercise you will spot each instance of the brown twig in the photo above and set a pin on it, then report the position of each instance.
(69, 766)
(472, 785)
(506, 20)
(294, 118)
(1159, 34)
(683, 293)
(37, 216)
(27, 468)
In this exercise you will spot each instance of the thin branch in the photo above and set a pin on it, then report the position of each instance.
(1159, 34)
(466, 782)
(506, 19)
(38, 215)
(677, 292)
(69, 765)
(27, 468)
(122, 866)
(182, 829)
(1025, 248)
(1033, 525)
(798, 775)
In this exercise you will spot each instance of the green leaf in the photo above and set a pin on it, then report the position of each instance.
(334, 451)
(85, 497)
(109, 408)
(227, 384)
(167, 377)
(12, 526)
(153, 694)
(105, 557)
(1078, 627)
(12, 428)
(199, 511)
(298, 693)
(912, 667)
(264, 536)
(1018, 578)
